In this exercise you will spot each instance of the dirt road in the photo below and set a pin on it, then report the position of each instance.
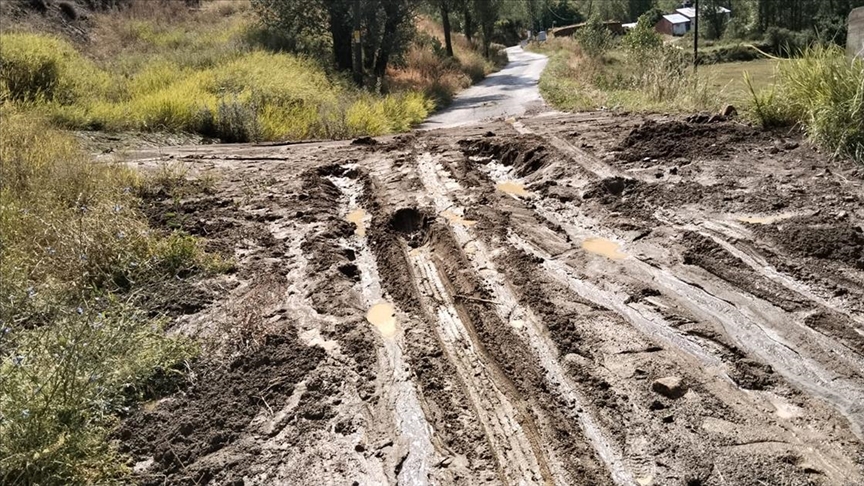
(508, 93)
(563, 299)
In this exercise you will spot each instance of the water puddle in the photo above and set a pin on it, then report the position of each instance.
(765, 219)
(357, 217)
(383, 317)
(456, 219)
(513, 188)
(604, 247)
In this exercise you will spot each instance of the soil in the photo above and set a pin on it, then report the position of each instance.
(548, 281)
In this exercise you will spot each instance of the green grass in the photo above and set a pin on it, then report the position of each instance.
(728, 78)
(74, 349)
(199, 74)
(659, 80)
(822, 91)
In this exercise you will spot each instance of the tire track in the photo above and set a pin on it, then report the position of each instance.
(510, 311)
(413, 431)
(744, 326)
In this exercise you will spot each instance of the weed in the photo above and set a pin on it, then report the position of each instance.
(74, 350)
(823, 91)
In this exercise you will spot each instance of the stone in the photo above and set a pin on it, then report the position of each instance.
(669, 387)
(729, 112)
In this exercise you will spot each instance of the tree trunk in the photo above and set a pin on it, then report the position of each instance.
(469, 24)
(445, 21)
(394, 15)
(340, 31)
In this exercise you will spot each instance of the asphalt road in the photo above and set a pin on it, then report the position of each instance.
(509, 92)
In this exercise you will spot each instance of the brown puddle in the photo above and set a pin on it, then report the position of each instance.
(513, 188)
(456, 219)
(765, 219)
(356, 217)
(604, 247)
(383, 317)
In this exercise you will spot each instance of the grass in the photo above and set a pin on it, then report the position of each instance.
(658, 79)
(822, 91)
(426, 69)
(169, 69)
(197, 72)
(74, 349)
(728, 78)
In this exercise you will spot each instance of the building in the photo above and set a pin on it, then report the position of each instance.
(690, 13)
(673, 24)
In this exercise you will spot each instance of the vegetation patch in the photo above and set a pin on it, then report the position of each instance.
(75, 349)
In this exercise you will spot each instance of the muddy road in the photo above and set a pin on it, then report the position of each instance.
(566, 299)
(590, 299)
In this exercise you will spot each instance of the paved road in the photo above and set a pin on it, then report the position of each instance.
(509, 92)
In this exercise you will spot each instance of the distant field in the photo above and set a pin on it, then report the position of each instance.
(729, 77)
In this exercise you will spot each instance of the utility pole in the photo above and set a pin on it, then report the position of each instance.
(358, 48)
(696, 36)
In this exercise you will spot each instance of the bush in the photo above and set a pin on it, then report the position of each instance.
(594, 38)
(74, 350)
(643, 36)
(824, 91)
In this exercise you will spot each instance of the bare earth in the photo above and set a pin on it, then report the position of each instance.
(581, 299)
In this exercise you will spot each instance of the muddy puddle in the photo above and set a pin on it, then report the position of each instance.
(457, 219)
(513, 188)
(604, 247)
(357, 217)
(383, 317)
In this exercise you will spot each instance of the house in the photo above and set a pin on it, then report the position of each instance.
(690, 13)
(673, 24)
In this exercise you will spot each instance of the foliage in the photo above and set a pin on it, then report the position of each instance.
(643, 37)
(824, 92)
(641, 79)
(594, 38)
(191, 85)
(74, 350)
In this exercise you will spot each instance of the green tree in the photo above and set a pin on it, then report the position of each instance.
(487, 12)
(635, 8)
(643, 36)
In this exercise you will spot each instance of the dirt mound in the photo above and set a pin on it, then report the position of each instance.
(676, 139)
(816, 236)
(215, 410)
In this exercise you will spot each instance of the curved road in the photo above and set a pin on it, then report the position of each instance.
(509, 92)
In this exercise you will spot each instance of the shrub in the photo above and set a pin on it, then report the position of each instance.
(74, 350)
(824, 90)
(643, 36)
(594, 38)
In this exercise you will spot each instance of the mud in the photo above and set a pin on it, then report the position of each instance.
(397, 317)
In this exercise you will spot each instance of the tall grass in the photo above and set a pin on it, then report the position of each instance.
(642, 78)
(823, 91)
(197, 73)
(74, 253)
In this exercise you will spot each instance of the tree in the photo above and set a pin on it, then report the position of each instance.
(444, 8)
(385, 25)
(712, 18)
(635, 8)
(487, 14)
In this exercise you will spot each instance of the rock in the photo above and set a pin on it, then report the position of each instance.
(790, 145)
(729, 111)
(489, 134)
(669, 387)
(773, 150)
